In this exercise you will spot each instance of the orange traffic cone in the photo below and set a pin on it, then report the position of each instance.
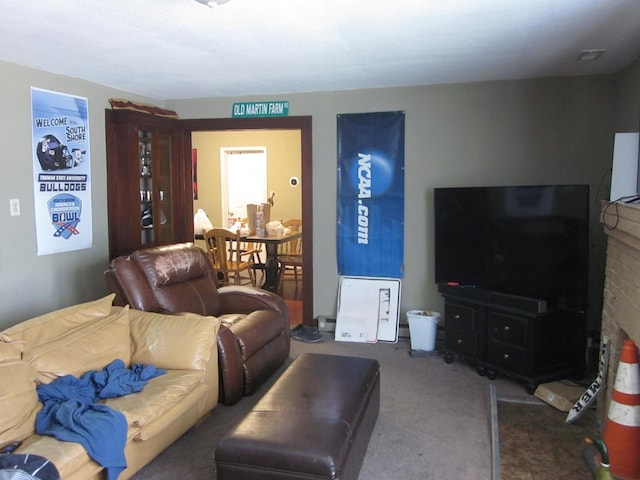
(622, 428)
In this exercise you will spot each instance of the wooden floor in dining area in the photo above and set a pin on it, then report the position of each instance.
(293, 299)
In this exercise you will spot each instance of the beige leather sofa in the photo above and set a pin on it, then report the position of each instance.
(88, 337)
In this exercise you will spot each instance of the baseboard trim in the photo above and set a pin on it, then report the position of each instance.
(328, 325)
(403, 330)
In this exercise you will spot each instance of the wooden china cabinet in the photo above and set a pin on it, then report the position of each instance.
(149, 184)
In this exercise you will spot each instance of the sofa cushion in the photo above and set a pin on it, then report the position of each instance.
(90, 347)
(18, 400)
(70, 458)
(157, 397)
(59, 322)
(185, 414)
(181, 342)
(10, 349)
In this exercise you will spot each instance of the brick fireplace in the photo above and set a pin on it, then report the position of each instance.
(621, 299)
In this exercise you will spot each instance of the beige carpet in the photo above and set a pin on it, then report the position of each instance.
(434, 421)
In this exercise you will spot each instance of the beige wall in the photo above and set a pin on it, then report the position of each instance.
(283, 162)
(492, 133)
(530, 131)
(32, 284)
(628, 99)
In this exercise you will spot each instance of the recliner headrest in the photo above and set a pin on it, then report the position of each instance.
(172, 264)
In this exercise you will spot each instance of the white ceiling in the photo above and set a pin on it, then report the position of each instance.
(171, 49)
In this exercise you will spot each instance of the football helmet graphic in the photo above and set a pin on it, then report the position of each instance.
(53, 155)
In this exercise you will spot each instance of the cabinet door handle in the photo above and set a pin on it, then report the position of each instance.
(507, 328)
(456, 316)
(459, 341)
(505, 356)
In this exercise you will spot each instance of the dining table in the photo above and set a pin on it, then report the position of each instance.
(271, 265)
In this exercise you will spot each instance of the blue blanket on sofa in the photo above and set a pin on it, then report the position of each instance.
(71, 413)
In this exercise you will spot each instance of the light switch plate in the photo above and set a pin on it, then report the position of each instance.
(14, 207)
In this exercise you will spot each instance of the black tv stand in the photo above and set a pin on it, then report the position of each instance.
(519, 337)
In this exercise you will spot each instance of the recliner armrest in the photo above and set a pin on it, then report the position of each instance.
(239, 299)
(230, 367)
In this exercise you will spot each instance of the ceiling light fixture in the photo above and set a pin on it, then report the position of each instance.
(590, 55)
(212, 3)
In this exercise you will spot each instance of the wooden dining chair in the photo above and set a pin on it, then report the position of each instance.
(224, 247)
(290, 256)
(251, 252)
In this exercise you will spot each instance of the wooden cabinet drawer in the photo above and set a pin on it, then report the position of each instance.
(461, 342)
(460, 317)
(507, 329)
(508, 357)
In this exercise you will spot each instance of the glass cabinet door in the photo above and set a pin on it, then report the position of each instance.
(163, 218)
(145, 167)
(156, 224)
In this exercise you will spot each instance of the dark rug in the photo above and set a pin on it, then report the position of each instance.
(536, 443)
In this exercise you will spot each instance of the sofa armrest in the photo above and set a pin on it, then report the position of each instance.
(240, 299)
(183, 342)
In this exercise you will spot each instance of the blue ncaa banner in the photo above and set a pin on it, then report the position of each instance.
(371, 194)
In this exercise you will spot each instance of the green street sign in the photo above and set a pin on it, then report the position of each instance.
(278, 108)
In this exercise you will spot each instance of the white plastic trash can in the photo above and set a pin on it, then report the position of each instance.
(422, 329)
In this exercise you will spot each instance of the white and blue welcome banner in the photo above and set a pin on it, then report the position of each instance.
(370, 233)
(61, 171)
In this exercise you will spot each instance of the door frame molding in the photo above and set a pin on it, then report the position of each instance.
(303, 124)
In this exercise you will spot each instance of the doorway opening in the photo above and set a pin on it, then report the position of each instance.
(303, 125)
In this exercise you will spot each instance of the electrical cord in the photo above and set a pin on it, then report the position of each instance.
(628, 199)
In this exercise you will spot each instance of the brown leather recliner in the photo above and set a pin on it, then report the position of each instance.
(254, 337)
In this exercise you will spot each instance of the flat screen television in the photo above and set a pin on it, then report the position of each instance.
(530, 241)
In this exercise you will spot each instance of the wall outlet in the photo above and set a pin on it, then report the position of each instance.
(326, 324)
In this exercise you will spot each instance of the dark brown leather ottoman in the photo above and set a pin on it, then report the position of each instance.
(315, 422)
